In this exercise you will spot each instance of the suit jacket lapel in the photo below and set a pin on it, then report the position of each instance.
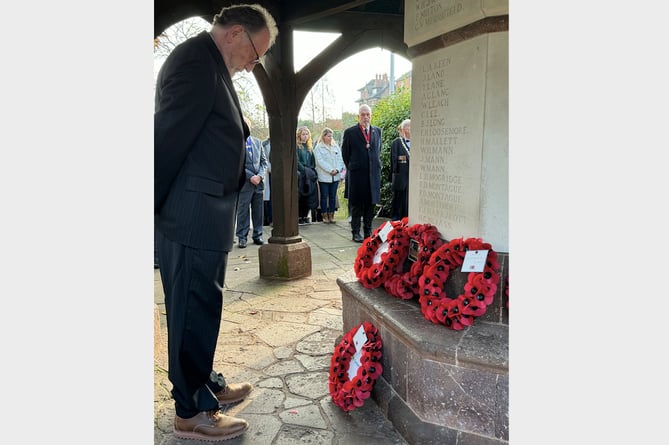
(225, 75)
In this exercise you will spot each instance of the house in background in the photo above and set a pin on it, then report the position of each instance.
(379, 87)
(403, 82)
(375, 90)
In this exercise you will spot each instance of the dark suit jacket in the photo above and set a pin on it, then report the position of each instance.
(256, 162)
(399, 165)
(199, 147)
(363, 166)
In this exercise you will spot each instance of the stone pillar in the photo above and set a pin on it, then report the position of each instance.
(439, 385)
(459, 117)
(285, 261)
(285, 256)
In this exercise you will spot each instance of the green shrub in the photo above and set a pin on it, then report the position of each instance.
(387, 114)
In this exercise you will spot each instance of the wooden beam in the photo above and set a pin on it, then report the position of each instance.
(326, 12)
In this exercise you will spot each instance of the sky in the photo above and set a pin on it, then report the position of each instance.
(347, 77)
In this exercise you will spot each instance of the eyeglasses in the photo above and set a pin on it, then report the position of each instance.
(257, 60)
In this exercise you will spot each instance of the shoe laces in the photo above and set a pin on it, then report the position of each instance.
(214, 414)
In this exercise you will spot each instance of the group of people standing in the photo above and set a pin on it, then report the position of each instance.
(319, 171)
(321, 168)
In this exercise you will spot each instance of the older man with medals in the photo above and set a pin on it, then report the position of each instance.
(361, 150)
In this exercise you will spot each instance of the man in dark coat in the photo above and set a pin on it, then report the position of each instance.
(361, 150)
(399, 171)
(199, 153)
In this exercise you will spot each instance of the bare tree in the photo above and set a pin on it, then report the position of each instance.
(317, 103)
(177, 33)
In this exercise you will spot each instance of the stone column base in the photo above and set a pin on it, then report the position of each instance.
(285, 261)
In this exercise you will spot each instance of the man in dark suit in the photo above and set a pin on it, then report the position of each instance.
(399, 171)
(255, 169)
(199, 152)
(361, 150)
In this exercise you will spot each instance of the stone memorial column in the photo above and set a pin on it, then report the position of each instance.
(440, 385)
(459, 118)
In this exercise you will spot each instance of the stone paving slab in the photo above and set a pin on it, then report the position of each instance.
(280, 336)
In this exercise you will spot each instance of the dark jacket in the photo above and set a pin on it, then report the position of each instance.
(307, 178)
(363, 166)
(308, 187)
(256, 161)
(199, 147)
(399, 165)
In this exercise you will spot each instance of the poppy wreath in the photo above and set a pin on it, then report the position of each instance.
(405, 285)
(373, 274)
(479, 291)
(350, 394)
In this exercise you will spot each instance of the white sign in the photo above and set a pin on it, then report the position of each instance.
(383, 248)
(383, 233)
(474, 261)
(359, 340)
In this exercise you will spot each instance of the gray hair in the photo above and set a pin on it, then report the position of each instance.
(252, 17)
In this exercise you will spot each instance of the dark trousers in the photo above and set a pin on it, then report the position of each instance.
(250, 195)
(193, 285)
(365, 212)
(400, 207)
(267, 213)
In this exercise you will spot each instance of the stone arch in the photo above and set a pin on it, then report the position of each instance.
(341, 49)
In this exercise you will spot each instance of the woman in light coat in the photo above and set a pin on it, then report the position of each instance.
(329, 164)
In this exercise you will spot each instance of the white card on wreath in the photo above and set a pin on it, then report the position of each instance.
(359, 340)
(383, 233)
(383, 248)
(354, 365)
(474, 261)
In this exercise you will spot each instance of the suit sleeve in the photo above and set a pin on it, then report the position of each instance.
(263, 163)
(345, 149)
(393, 156)
(183, 102)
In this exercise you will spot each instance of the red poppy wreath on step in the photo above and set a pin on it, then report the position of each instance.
(377, 259)
(355, 366)
(427, 239)
(479, 291)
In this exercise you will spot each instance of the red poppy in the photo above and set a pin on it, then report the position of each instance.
(347, 393)
(479, 291)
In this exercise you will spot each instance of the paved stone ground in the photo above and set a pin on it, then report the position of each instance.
(280, 337)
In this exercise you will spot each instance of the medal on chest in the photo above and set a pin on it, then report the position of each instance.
(366, 134)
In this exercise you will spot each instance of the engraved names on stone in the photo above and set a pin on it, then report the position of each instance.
(446, 122)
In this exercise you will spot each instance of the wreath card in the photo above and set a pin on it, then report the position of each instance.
(474, 261)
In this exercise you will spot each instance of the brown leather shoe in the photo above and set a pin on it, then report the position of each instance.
(209, 426)
(234, 392)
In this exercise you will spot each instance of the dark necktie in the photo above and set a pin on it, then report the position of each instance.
(366, 131)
